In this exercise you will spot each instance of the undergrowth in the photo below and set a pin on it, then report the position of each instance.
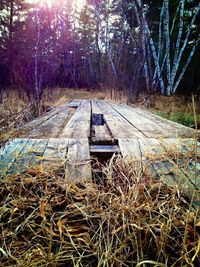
(128, 220)
(180, 117)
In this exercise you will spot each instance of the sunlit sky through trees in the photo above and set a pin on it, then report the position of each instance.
(136, 45)
(50, 3)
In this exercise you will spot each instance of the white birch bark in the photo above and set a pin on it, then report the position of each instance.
(167, 47)
(174, 20)
(149, 65)
(152, 46)
(160, 47)
(165, 56)
(186, 65)
(160, 32)
(177, 63)
(174, 72)
(180, 32)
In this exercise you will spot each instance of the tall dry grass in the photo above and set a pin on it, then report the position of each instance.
(128, 219)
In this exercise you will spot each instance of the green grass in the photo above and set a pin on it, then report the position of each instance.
(180, 117)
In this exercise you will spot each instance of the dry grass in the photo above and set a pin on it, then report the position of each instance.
(128, 220)
(58, 96)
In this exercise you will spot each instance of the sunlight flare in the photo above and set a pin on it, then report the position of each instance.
(50, 3)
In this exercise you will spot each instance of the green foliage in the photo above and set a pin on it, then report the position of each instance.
(180, 117)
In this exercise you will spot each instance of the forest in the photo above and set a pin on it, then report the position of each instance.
(130, 46)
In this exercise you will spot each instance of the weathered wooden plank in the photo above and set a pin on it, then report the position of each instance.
(170, 171)
(151, 150)
(11, 147)
(78, 165)
(150, 147)
(119, 127)
(144, 125)
(74, 103)
(130, 148)
(30, 155)
(99, 128)
(182, 153)
(101, 133)
(190, 145)
(79, 125)
(95, 107)
(166, 169)
(97, 115)
(174, 128)
(51, 127)
(104, 149)
(56, 150)
(10, 154)
(37, 122)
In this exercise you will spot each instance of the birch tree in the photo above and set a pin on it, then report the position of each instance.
(170, 64)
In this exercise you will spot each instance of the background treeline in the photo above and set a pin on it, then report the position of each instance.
(128, 45)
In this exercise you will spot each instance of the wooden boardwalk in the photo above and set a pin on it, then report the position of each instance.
(70, 134)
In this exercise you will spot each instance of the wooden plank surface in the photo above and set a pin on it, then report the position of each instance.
(51, 127)
(74, 103)
(160, 167)
(10, 154)
(144, 125)
(176, 129)
(155, 154)
(62, 136)
(104, 149)
(78, 166)
(37, 122)
(119, 127)
(79, 125)
(30, 155)
(56, 150)
(100, 132)
(130, 148)
(186, 154)
(95, 107)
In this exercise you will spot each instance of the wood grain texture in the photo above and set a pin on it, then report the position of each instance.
(176, 129)
(130, 148)
(39, 121)
(99, 128)
(50, 128)
(161, 164)
(79, 125)
(74, 103)
(143, 124)
(78, 165)
(119, 127)
(31, 154)
(11, 153)
(56, 150)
